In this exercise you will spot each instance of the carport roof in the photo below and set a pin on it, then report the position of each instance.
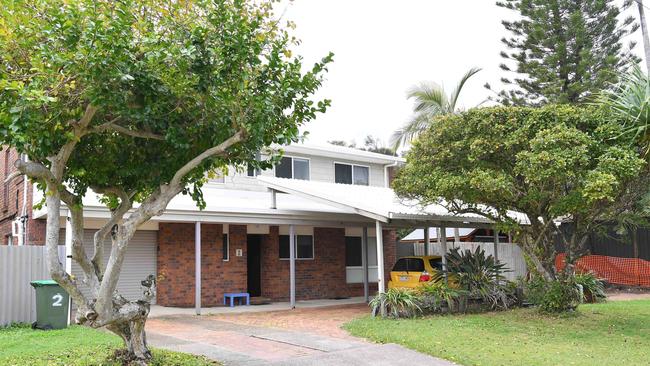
(377, 203)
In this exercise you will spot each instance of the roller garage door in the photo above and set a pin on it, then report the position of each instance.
(139, 262)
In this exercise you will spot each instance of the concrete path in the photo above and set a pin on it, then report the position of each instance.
(247, 345)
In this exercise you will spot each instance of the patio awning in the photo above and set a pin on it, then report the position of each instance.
(377, 203)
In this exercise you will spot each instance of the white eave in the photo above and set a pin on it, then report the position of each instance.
(343, 153)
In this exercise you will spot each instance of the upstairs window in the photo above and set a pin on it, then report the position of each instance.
(351, 174)
(292, 168)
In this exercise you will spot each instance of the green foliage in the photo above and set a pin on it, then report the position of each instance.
(563, 51)
(480, 276)
(431, 100)
(545, 163)
(561, 295)
(397, 302)
(438, 295)
(76, 346)
(630, 102)
(192, 74)
(592, 288)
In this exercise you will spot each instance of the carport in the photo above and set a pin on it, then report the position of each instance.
(382, 206)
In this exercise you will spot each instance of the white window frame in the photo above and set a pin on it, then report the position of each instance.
(352, 165)
(351, 269)
(295, 242)
(227, 245)
(293, 173)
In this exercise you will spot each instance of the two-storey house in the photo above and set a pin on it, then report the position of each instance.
(332, 203)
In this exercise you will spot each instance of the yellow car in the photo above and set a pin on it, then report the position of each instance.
(411, 272)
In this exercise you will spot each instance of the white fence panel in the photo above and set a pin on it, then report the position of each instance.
(509, 253)
(19, 265)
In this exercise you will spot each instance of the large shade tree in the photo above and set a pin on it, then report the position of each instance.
(528, 169)
(139, 101)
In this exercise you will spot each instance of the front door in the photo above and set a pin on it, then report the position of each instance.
(254, 255)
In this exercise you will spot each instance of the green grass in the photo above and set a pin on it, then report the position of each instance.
(613, 333)
(74, 346)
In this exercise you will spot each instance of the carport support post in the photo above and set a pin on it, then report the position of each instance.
(292, 266)
(380, 263)
(496, 247)
(442, 235)
(197, 268)
(427, 241)
(68, 254)
(364, 259)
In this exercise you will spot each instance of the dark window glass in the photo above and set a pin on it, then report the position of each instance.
(251, 171)
(284, 246)
(343, 173)
(436, 263)
(283, 169)
(401, 265)
(361, 175)
(305, 249)
(225, 248)
(353, 251)
(416, 265)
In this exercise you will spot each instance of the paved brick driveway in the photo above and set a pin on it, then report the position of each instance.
(291, 337)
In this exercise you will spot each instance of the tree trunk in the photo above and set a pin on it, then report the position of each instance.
(132, 333)
(644, 32)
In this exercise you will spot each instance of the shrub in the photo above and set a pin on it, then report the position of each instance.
(560, 295)
(592, 288)
(398, 303)
(481, 277)
(438, 296)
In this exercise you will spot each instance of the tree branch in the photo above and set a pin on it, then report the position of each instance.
(125, 131)
(116, 216)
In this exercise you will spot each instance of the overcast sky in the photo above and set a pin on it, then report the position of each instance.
(384, 47)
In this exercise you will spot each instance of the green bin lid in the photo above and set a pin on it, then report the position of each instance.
(40, 283)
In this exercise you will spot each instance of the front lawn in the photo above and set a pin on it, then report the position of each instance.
(75, 346)
(613, 333)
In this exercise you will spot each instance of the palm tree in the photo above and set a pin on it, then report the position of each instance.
(430, 101)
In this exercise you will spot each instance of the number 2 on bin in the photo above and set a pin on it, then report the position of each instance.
(58, 300)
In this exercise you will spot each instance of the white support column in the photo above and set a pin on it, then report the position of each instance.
(364, 262)
(496, 244)
(442, 236)
(197, 268)
(456, 237)
(380, 258)
(68, 245)
(427, 241)
(68, 255)
(292, 266)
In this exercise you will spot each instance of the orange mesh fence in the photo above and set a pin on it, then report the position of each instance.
(620, 271)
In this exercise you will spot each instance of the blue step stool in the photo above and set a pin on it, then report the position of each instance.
(236, 295)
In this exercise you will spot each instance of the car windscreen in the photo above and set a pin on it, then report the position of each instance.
(401, 265)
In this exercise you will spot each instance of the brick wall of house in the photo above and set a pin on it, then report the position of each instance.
(11, 202)
(176, 264)
(322, 277)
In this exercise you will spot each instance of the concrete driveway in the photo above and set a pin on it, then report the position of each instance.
(279, 338)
